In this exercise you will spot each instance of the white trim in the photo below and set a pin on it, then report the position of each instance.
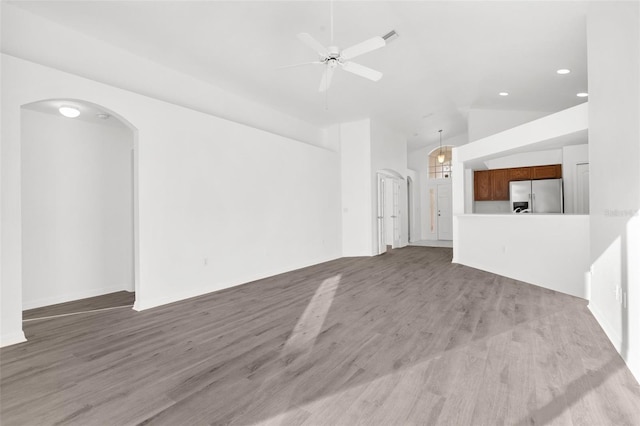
(77, 313)
(12, 339)
(632, 359)
(62, 298)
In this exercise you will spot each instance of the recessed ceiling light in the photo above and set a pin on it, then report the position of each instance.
(69, 111)
(582, 94)
(503, 93)
(563, 71)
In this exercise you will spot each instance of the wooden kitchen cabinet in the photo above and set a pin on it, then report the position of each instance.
(553, 171)
(520, 173)
(482, 185)
(493, 185)
(500, 184)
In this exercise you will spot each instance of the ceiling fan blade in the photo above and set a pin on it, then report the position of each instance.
(362, 71)
(362, 48)
(313, 43)
(325, 82)
(299, 65)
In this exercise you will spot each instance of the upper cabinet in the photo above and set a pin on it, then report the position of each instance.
(493, 185)
(500, 184)
(521, 173)
(553, 171)
(482, 185)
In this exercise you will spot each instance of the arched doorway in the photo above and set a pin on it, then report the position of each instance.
(78, 204)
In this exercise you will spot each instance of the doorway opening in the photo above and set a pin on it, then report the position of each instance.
(79, 207)
(389, 213)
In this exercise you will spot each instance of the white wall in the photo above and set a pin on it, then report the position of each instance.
(572, 155)
(550, 251)
(526, 159)
(418, 161)
(613, 35)
(414, 217)
(356, 188)
(486, 122)
(77, 212)
(252, 203)
(567, 125)
(34, 38)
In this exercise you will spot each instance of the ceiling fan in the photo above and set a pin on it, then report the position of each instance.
(333, 57)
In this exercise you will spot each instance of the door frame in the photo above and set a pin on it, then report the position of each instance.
(382, 176)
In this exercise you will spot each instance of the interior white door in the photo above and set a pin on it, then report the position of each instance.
(445, 212)
(382, 246)
(582, 188)
(396, 214)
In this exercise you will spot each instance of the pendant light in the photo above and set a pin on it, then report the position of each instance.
(441, 155)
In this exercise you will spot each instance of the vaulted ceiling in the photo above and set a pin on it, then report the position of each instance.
(450, 56)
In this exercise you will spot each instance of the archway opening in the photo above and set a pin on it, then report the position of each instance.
(78, 209)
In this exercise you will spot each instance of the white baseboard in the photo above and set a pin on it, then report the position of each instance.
(142, 304)
(631, 358)
(613, 335)
(12, 339)
(68, 297)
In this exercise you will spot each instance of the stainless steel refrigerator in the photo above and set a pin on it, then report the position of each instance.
(536, 196)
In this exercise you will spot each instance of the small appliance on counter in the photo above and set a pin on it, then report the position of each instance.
(536, 196)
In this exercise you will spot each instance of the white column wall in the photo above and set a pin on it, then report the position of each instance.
(613, 35)
(356, 188)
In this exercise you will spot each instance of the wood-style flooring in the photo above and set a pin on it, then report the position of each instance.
(399, 339)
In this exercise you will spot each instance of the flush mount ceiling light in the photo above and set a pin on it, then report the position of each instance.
(582, 94)
(563, 71)
(69, 111)
(441, 155)
(503, 93)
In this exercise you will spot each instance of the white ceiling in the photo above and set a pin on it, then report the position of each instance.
(450, 57)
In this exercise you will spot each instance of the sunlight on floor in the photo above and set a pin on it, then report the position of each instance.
(310, 323)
